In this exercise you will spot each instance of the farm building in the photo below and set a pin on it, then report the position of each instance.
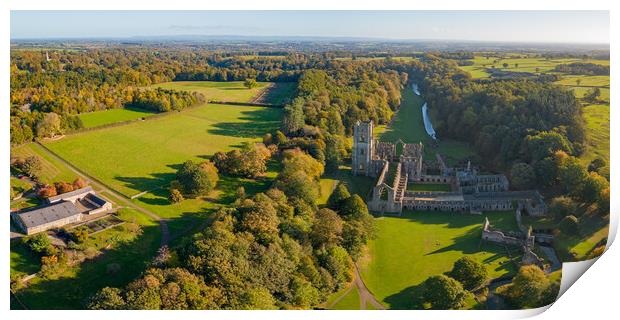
(62, 209)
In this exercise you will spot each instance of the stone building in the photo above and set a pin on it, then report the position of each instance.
(470, 192)
(61, 210)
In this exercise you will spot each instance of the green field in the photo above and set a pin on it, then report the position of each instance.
(411, 248)
(518, 63)
(232, 91)
(350, 301)
(144, 156)
(53, 170)
(598, 135)
(70, 289)
(584, 81)
(100, 118)
(408, 126)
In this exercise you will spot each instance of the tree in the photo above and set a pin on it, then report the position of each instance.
(527, 288)
(79, 183)
(593, 186)
(197, 180)
(572, 175)
(293, 119)
(38, 243)
(327, 228)
(259, 217)
(32, 166)
(597, 164)
(338, 196)
(47, 191)
(469, 272)
(505, 65)
(257, 299)
(250, 83)
(545, 144)
(49, 125)
(569, 225)
(354, 207)
(562, 206)
(106, 299)
(63, 187)
(593, 94)
(175, 196)
(79, 235)
(523, 176)
(444, 293)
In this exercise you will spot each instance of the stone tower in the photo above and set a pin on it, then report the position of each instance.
(363, 148)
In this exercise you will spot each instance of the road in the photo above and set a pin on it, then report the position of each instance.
(165, 234)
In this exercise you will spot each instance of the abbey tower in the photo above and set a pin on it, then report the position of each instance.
(362, 148)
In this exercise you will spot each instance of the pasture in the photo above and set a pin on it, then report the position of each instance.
(417, 245)
(144, 156)
(598, 134)
(231, 91)
(518, 63)
(408, 126)
(104, 117)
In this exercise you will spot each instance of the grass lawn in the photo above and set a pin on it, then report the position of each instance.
(592, 228)
(143, 156)
(232, 91)
(409, 127)
(77, 283)
(428, 187)
(22, 259)
(53, 170)
(411, 248)
(100, 118)
(597, 118)
(351, 301)
(327, 186)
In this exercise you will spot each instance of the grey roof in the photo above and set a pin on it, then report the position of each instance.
(47, 214)
(70, 194)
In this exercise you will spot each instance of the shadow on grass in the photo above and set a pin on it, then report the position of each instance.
(257, 123)
(155, 180)
(409, 298)
(279, 93)
(72, 289)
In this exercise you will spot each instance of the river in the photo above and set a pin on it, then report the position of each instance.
(428, 126)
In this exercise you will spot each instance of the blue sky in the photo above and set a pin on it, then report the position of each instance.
(511, 26)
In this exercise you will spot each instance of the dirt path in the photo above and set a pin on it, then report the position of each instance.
(366, 296)
(258, 98)
(165, 235)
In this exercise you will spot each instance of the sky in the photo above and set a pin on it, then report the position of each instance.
(505, 26)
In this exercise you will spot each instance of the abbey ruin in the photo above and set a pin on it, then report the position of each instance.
(397, 173)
